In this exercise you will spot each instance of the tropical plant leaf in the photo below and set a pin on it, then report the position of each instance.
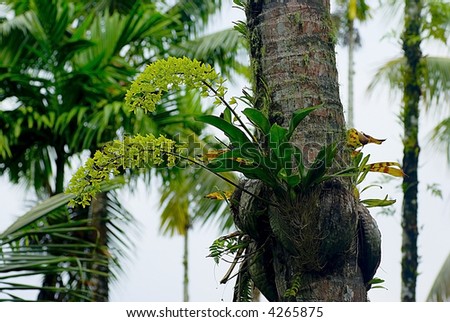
(209, 49)
(251, 171)
(436, 85)
(258, 119)
(319, 167)
(277, 142)
(45, 207)
(236, 136)
(391, 168)
(227, 115)
(370, 203)
(440, 291)
(299, 116)
(37, 212)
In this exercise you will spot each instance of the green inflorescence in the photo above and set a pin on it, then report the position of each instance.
(170, 74)
(132, 152)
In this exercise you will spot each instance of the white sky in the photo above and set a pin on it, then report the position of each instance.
(154, 273)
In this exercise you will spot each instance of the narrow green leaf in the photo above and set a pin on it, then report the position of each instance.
(236, 136)
(293, 180)
(370, 203)
(37, 212)
(227, 115)
(298, 116)
(258, 119)
(50, 204)
(252, 171)
(277, 136)
(298, 156)
(323, 161)
(277, 139)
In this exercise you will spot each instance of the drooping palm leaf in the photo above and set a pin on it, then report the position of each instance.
(52, 240)
(435, 88)
(440, 291)
(218, 49)
(436, 85)
(195, 14)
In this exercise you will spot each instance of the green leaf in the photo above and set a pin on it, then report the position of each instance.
(298, 156)
(370, 203)
(376, 283)
(236, 136)
(50, 204)
(362, 168)
(277, 136)
(440, 291)
(258, 119)
(37, 212)
(248, 152)
(277, 140)
(298, 116)
(251, 171)
(285, 153)
(293, 180)
(321, 164)
(227, 115)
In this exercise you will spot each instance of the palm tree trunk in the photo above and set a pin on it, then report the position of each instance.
(410, 117)
(51, 281)
(186, 265)
(99, 283)
(308, 245)
(351, 73)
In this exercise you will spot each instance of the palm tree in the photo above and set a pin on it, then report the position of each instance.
(307, 245)
(352, 10)
(421, 78)
(64, 77)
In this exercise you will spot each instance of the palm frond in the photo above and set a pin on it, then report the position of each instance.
(440, 291)
(40, 210)
(194, 14)
(218, 49)
(435, 89)
(65, 244)
(436, 85)
(440, 135)
(388, 75)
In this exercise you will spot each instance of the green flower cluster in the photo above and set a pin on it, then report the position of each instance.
(170, 74)
(132, 152)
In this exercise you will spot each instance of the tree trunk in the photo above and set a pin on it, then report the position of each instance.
(306, 247)
(412, 77)
(186, 263)
(51, 281)
(99, 283)
(351, 72)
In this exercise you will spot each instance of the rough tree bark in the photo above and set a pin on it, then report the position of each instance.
(412, 77)
(351, 72)
(306, 248)
(98, 215)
